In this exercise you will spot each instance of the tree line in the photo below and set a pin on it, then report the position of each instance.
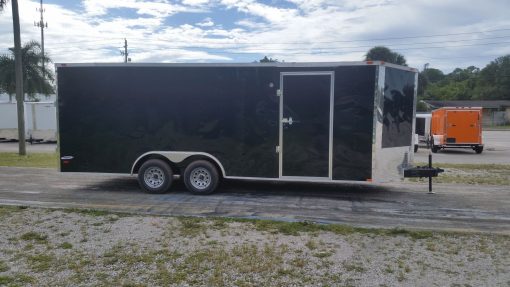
(472, 83)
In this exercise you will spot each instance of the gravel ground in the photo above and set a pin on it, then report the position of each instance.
(46, 247)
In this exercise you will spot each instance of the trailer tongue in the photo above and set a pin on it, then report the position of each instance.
(424, 171)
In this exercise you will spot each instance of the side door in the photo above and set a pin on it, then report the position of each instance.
(306, 124)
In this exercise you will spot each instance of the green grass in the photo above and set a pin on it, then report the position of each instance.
(7, 210)
(66, 245)
(504, 127)
(46, 160)
(4, 266)
(89, 212)
(34, 236)
(244, 263)
(16, 280)
(295, 228)
(483, 174)
(467, 166)
(41, 262)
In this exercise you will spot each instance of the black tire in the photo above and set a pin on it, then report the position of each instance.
(478, 149)
(415, 148)
(201, 177)
(155, 176)
(434, 148)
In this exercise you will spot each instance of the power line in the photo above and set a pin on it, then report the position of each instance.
(259, 51)
(102, 46)
(65, 44)
(282, 51)
(338, 41)
(348, 47)
(240, 42)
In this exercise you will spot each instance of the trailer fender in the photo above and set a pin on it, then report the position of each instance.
(177, 157)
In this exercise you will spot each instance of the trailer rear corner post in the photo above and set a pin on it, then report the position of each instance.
(424, 171)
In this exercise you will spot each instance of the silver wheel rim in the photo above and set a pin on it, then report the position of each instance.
(154, 177)
(200, 178)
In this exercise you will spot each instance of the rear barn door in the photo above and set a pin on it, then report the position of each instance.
(306, 124)
(463, 127)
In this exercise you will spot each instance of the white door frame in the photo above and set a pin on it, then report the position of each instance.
(331, 107)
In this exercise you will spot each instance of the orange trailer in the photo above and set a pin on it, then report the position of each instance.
(456, 127)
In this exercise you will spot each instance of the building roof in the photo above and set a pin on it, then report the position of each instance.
(483, 104)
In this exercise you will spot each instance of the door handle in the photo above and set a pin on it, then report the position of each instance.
(288, 121)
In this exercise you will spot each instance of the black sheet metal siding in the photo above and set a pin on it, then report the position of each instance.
(110, 115)
(353, 122)
(398, 108)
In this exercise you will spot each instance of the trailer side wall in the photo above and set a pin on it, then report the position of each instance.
(110, 115)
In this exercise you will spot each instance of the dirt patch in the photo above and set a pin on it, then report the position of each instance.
(59, 247)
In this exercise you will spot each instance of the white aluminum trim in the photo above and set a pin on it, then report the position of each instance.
(296, 179)
(57, 105)
(311, 73)
(460, 144)
(331, 117)
(179, 156)
(331, 120)
(280, 129)
(413, 127)
(279, 65)
(305, 177)
(378, 126)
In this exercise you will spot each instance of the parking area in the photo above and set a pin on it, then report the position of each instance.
(496, 151)
(37, 147)
(407, 205)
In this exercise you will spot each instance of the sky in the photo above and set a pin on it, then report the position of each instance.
(446, 34)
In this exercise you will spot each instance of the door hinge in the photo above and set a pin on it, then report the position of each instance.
(277, 149)
(278, 93)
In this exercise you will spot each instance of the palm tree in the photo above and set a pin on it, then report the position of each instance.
(36, 78)
(18, 73)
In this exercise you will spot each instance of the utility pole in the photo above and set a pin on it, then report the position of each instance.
(20, 101)
(125, 53)
(42, 25)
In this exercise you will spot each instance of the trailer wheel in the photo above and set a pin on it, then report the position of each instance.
(155, 176)
(434, 148)
(478, 149)
(201, 177)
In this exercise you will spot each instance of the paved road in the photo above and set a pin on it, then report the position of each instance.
(496, 150)
(453, 207)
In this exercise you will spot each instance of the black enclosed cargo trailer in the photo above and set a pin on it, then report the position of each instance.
(347, 121)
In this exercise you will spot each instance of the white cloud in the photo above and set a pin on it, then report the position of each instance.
(195, 2)
(272, 14)
(207, 22)
(142, 7)
(300, 30)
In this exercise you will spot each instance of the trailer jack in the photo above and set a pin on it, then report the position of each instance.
(424, 171)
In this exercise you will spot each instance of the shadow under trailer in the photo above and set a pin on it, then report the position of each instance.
(201, 123)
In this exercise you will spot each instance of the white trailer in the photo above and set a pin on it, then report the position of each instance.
(423, 127)
(40, 121)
